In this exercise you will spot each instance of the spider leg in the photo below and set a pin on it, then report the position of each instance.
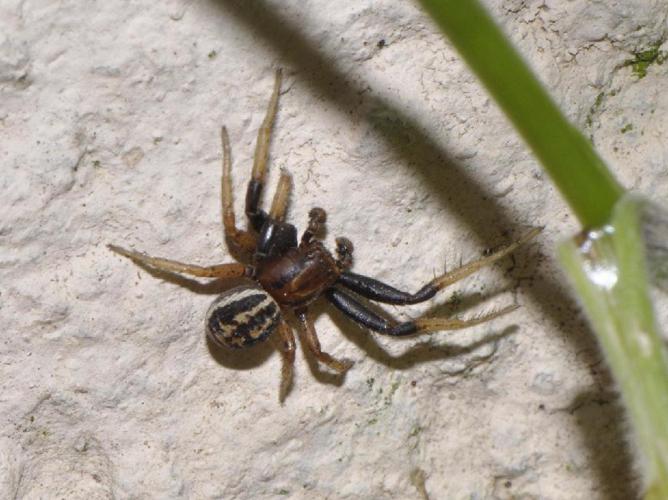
(279, 204)
(389, 326)
(313, 344)
(243, 240)
(288, 353)
(381, 292)
(232, 270)
(254, 213)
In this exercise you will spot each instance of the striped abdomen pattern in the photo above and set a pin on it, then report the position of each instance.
(242, 316)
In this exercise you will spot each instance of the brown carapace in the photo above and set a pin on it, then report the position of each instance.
(285, 274)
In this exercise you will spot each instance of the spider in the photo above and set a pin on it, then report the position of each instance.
(286, 274)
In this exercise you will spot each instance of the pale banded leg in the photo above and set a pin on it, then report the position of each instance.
(256, 183)
(242, 240)
(232, 270)
(279, 205)
(264, 134)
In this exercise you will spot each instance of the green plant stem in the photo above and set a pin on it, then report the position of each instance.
(608, 271)
(577, 170)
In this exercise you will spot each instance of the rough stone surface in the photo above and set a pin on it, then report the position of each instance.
(109, 117)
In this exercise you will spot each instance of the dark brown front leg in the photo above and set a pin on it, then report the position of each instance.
(288, 353)
(241, 240)
(312, 342)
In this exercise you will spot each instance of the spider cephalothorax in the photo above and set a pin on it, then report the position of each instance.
(287, 275)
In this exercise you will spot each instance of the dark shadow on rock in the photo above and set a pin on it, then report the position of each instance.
(600, 416)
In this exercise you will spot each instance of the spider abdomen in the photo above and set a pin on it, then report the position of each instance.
(242, 316)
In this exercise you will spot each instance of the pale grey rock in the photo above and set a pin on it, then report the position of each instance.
(110, 116)
(545, 383)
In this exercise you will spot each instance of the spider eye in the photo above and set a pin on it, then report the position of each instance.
(242, 316)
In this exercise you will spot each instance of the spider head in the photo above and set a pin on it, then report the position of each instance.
(275, 239)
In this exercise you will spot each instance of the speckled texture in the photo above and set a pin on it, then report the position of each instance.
(109, 117)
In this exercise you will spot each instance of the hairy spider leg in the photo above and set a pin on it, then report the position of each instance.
(232, 270)
(242, 240)
(254, 191)
(373, 289)
(390, 326)
(287, 349)
(311, 338)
